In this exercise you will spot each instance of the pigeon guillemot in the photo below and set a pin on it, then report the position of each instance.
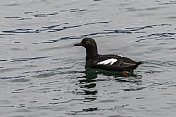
(106, 62)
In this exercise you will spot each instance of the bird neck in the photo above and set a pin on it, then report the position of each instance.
(91, 53)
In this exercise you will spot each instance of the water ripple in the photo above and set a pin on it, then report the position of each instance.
(45, 15)
(27, 59)
(36, 15)
(82, 111)
(18, 18)
(6, 34)
(28, 12)
(22, 31)
(77, 10)
(145, 27)
(52, 28)
(2, 60)
(167, 3)
(158, 36)
(14, 77)
(13, 17)
(51, 72)
(20, 80)
(85, 35)
(108, 31)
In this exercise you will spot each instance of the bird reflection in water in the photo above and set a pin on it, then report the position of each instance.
(88, 81)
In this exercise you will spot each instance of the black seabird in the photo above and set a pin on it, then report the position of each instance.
(106, 62)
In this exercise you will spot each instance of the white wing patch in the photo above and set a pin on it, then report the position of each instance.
(108, 61)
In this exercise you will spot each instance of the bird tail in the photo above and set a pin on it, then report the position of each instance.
(140, 62)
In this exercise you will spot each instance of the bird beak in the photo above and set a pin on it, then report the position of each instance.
(78, 44)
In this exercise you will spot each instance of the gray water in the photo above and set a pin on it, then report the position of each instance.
(42, 74)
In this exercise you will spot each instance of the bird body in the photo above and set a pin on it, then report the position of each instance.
(106, 62)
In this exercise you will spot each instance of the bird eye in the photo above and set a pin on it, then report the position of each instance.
(87, 42)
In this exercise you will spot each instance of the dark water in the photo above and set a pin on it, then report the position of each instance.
(43, 75)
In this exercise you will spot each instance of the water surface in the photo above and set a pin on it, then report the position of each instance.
(43, 74)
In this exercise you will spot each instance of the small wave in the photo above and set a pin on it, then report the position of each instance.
(77, 10)
(36, 15)
(51, 72)
(24, 18)
(6, 34)
(27, 59)
(134, 89)
(18, 18)
(74, 10)
(20, 80)
(22, 31)
(108, 31)
(145, 27)
(28, 12)
(167, 3)
(2, 60)
(158, 36)
(13, 17)
(52, 28)
(12, 77)
(45, 15)
(82, 111)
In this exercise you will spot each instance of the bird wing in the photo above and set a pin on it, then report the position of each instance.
(116, 63)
